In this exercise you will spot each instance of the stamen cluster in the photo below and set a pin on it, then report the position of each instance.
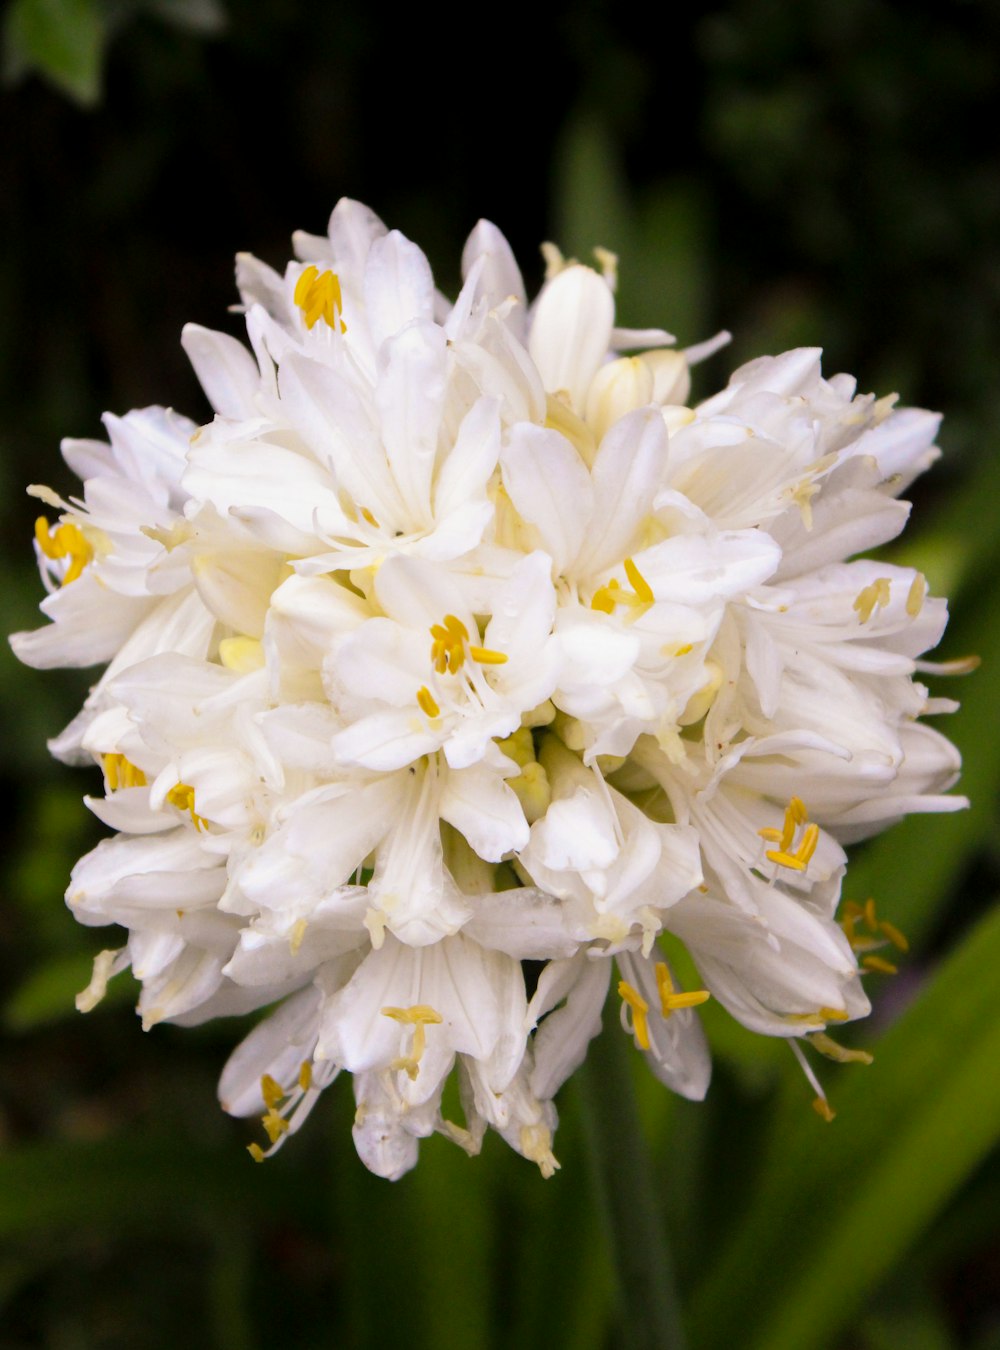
(458, 640)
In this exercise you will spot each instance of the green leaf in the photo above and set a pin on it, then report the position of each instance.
(136, 1185)
(592, 207)
(64, 40)
(836, 1206)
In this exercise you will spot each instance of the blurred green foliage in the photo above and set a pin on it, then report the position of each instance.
(814, 173)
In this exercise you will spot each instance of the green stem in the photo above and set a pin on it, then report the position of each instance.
(648, 1307)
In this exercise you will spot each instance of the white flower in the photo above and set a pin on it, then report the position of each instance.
(457, 641)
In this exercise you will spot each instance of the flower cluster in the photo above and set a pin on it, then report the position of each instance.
(458, 659)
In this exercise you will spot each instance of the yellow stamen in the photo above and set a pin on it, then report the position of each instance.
(826, 1045)
(271, 1091)
(369, 517)
(182, 796)
(807, 844)
(797, 810)
(640, 1009)
(448, 647)
(419, 1016)
(121, 772)
(318, 295)
(606, 597)
(875, 596)
(784, 856)
(783, 859)
(275, 1125)
(305, 1076)
(879, 965)
(670, 1000)
(486, 657)
(895, 936)
(916, 594)
(425, 701)
(823, 1109)
(638, 582)
(65, 541)
(834, 1014)
(870, 917)
(256, 1152)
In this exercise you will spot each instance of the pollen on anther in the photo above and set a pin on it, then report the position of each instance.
(634, 1001)
(638, 582)
(318, 295)
(823, 1109)
(426, 702)
(916, 594)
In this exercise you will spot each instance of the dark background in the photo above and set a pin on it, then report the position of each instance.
(818, 173)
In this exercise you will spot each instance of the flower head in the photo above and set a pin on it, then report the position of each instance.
(456, 641)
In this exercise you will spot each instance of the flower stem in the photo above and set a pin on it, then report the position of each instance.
(648, 1308)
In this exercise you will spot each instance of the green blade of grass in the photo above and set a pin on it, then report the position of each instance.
(835, 1208)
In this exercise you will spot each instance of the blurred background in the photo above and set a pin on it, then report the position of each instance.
(819, 173)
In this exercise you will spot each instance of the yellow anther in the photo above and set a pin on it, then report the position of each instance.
(448, 647)
(783, 859)
(897, 938)
(871, 918)
(807, 844)
(915, 595)
(271, 1091)
(875, 596)
(369, 517)
(823, 1109)
(796, 860)
(182, 796)
(829, 1047)
(795, 814)
(318, 296)
(65, 541)
(256, 1152)
(640, 1010)
(275, 1125)
(879, 965)
(426, 703)
(797, 811)
(670, 1000)
(305, 1075)
(419, 1016)
(638, 582)
(683, 651)
(122, 773)
(606, 597)
(486, 657)
(834, 1014)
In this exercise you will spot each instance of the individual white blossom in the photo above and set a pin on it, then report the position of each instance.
(457, 641)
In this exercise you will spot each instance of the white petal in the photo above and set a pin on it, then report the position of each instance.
(549, 485)
(570, 331)
(226, 370)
